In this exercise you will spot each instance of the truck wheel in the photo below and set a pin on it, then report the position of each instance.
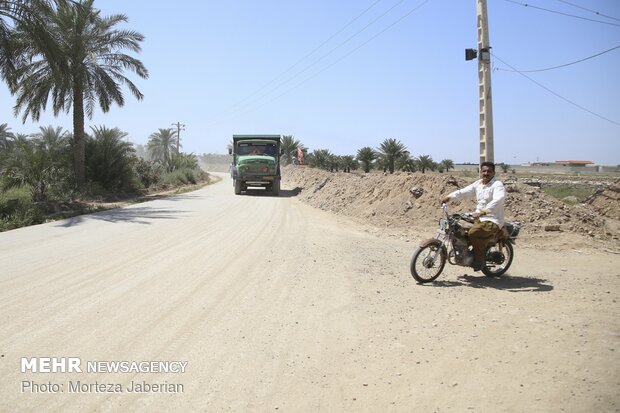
(276, 187)
(237, 187)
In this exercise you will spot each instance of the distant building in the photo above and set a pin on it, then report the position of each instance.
(574, 163)
(578, 166)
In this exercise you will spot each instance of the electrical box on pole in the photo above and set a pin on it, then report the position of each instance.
(471, 54)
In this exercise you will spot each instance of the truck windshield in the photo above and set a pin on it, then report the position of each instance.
(266, 149)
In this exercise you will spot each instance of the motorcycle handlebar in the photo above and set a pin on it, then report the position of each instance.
(467, 216)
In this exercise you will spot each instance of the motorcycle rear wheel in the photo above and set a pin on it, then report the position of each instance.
(426, 265)
(495, 269)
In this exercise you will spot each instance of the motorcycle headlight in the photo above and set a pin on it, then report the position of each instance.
(443, 224)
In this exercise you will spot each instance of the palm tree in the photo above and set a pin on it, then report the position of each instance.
(92, 49)
(348, 162)
(183, 161)
(320, 158)
(335, 161)
(161, 145)
(6, 136)
(55, 141)
(447, 164)
(366, 156)
(30, 15)
(110, 160)
(34, 164)
(56, 144)
(289, 146)
(391, 149)
(6, 143)
(381, 162)
(425, 162)
(408, 165)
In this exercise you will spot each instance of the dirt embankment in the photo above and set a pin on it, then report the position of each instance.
(406, 203)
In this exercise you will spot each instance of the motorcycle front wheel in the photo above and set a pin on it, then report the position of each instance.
(498, 260)
(428, 262)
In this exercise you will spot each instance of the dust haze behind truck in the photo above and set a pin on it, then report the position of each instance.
(256, 162)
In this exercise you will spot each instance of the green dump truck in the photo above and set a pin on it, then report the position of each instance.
(256, 162)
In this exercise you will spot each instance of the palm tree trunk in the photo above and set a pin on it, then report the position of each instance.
(78, 135)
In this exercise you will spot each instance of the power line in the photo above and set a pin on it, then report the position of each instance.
(564, 65)
(561, 13)
(353, 51)
(586, 9)
(332, 36)
(556, 94)
(335, 48)
(341, 58)
(319, 59)
(239, 103)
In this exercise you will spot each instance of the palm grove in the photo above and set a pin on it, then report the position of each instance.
(64, 54)
(390, 156)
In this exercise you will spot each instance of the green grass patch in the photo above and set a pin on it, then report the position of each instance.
(568, 193)
(17, 209)
(469, 174)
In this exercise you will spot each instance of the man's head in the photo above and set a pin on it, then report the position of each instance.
(487, 171)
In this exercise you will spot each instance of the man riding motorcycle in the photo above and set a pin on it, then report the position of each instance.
(489, 215)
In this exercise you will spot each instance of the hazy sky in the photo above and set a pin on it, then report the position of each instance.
(344, 74)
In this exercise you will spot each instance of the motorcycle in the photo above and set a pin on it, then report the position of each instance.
(451, 244)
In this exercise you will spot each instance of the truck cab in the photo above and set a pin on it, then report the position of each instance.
(256, 162)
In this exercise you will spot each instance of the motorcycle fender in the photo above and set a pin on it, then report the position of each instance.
(429, 241)
(509, 240)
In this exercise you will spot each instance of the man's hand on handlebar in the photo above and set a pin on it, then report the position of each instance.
(478, 214)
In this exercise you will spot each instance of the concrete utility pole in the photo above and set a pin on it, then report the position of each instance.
(180, 126)
(484, 84)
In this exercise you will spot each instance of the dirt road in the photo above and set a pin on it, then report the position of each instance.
(276, 306)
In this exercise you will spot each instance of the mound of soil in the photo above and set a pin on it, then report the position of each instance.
(408, 204)
(606, 201)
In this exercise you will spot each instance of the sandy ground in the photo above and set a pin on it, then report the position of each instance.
(277, 306)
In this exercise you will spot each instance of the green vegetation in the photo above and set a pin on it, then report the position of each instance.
(390, 156)
(110, 160)
(85, 69)
(17, 209)
(425, 162)
(162, 145)
(289, 147)
(347, 163)
(36, 176)
(390, 151)
(446, 165)
(180, 177)
(469, 174)
(569, 194)
(366, 156)
(37, 163)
